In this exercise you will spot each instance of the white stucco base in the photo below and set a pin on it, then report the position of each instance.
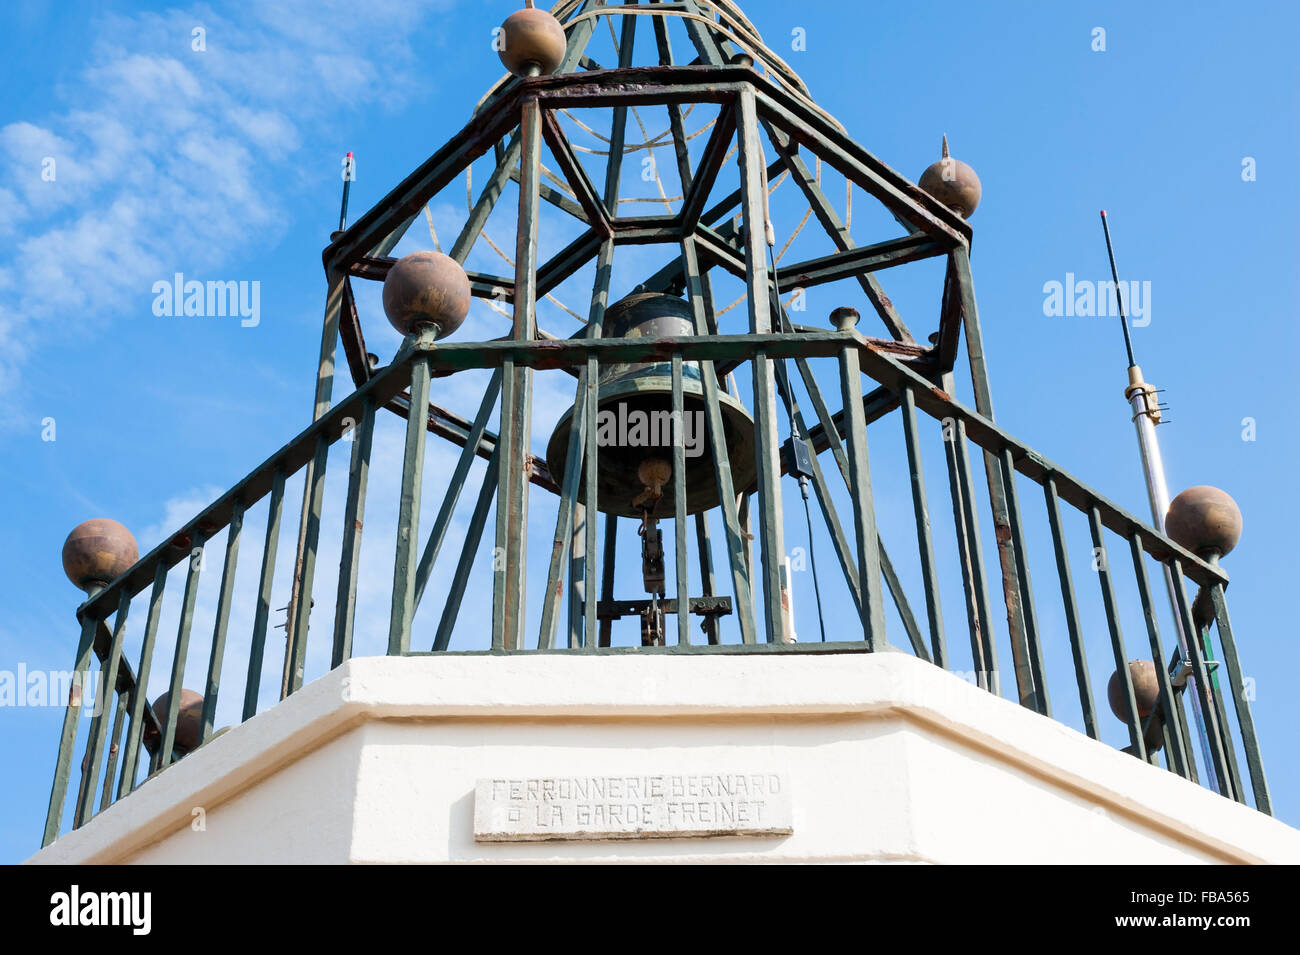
(889, 760)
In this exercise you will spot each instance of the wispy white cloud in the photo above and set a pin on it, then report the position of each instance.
(167, 154)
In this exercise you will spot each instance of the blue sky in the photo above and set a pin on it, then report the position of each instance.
(224, 164)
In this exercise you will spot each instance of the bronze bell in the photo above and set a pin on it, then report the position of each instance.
(633, 424)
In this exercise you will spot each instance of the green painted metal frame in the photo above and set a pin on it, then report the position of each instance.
(905, 372)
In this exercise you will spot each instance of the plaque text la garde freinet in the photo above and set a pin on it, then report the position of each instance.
(671, 805)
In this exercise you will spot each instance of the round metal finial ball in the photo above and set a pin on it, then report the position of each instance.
(845, 317)
(953, 183)
(1205, 520)
(532, 38)
(742, 59)
(97, 552)
(189, 719)
(1146, 689)
(426, 289)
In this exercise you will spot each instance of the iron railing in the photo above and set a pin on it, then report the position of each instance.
(103, 616)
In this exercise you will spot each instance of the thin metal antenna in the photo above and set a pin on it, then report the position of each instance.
(1147, 413)
(1119, 294)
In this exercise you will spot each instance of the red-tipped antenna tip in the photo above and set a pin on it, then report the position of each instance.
(350, 156)
(1103, 211)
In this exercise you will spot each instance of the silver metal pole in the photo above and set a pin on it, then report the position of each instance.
(1146, 415)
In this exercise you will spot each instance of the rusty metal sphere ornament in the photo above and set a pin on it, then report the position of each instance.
(98, 551)
(1146, 690)
(426, 289)
(1205, 520)
(953, 183)
(532, 38)
(189, 719)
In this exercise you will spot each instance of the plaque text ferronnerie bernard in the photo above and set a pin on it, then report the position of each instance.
(663, 806)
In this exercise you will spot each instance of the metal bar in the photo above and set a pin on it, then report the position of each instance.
(715, 152)
(166, 751)
(618, 126)
(594, 631)
(507, 159)
(903, 198)
(596, 212)
(708, 584)
(676, 126)
(679, 502)
(300, 450)
(474, 438)
(1236, 786)
(1013, 598)
(607, 578)
(836, 229)
(114, 747)
(1183, 725)
(1168, 707)
(1241, 701)
(1196, 652)
(139, 702)
(1040, 700)
(298, 621)
(257, 647)
(406, 561)
(354, 516)
(949, 334)
(860, 261)
(939, 404)
(218, 652)
(448, 357)
(558, 199)
(767, 443)
(568, 261)
(838, 537)
(901, 603)
(99, 720)
(395, 209)
(337, 282)
(509, 597)
(577, 574)
(699, 606)
(1102, 564)
(486, 201)
(68, 736)
(925, 543)
(573, 474)
(722, 462)
(982, 645)
(1071, 609)
(824, 499)
(872, 609)
(473, 537)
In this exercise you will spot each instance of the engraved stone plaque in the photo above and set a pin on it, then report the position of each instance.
(667, 806)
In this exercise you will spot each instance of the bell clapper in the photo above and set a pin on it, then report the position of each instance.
(653, 473)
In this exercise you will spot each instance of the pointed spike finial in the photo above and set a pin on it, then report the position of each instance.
(952, 182)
